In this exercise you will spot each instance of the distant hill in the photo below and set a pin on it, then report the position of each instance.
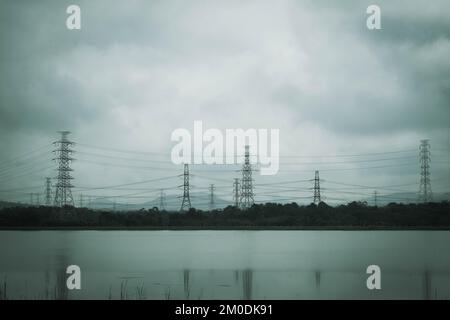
(8, 204)
(354, 215)
(199, 200)
(405, 197)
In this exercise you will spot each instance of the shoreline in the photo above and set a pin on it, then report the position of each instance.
(228, 228)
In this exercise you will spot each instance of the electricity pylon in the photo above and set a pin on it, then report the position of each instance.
(162, 205)
(375, 198)
(425, 194)
(63, 151)
(186, 203)
(211, 197)
(236, 192)
(317, 188)
(48, 192)
(247, 198)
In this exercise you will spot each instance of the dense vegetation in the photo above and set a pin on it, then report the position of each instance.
(355, 214)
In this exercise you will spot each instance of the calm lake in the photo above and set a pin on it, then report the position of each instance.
(225, 264)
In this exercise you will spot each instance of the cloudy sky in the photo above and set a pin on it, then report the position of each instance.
(350, 102)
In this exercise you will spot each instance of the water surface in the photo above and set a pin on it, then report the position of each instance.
(225, 264)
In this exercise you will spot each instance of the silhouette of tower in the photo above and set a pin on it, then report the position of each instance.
(34, 202)
(375, 198)
(162, 205)
(63, 151)
(211, 197)
(81, 200)
(48, 192)
(425, 194)
(246, 200)
(186, 203)
(236, 192)
(317, 188)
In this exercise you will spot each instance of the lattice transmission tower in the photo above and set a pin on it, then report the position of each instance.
(32, 202)
(63, 194)
(162, 201)
(236, 185)
(186, 203)
(81, 200)
(48, 192)
(375, 198)
(247, 197)
(317, 198)
(211, 197)
(425, 194)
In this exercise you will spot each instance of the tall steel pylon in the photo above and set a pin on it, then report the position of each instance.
(425, 194)
(317, 199)
(162, 196)
(63, 152)
(211, 197)
(375, 198)
(48, 192)
(186, 203)
(81, 200)
(247, 198)
(236, 185)
(32, 202)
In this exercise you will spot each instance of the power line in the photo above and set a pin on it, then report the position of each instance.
(25, 163)
(281, 182)
(127, 184)
(124, 165)
(119, 150)
(345, 162)
(120, 158)
(351, 169)
(122, 150)
(349, 155)
(16, 158)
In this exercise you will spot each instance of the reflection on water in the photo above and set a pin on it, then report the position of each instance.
(224, 264)
(61, 292)
(47, 281)
(427, 290)
(317, 277)
(247, 284)
(186, 284)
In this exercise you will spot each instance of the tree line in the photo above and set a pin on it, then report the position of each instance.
(292, 215)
